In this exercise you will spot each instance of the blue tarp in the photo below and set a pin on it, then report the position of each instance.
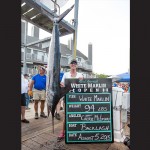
(124, 77)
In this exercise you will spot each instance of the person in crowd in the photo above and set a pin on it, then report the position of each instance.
(119, 85)
(123, 86)
(26, 92)
(31, 97)
(39, 92)
(71, 74)
(126, 88)
(114, 84)
(23, 99)
(129, 88)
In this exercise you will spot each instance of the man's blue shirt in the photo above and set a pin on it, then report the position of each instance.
(39, 82)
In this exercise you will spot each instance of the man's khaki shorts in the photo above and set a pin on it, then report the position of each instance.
(39, 95)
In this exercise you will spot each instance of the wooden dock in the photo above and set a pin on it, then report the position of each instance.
(37, 135)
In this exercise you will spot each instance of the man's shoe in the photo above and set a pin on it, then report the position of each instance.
(57, 116)
(60, 137)
(25, 121)
(43, 115)
(36, 116)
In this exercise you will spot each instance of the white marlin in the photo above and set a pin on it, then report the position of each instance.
(53, 90)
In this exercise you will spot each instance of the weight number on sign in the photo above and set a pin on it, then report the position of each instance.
(91, 108)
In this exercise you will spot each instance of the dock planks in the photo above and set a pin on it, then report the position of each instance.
(37, 135)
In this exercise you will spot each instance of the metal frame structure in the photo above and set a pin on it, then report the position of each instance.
(76, 27)
(40, 15)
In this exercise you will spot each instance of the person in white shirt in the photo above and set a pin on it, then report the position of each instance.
(23, 99)
(72, 74)
(26, 92)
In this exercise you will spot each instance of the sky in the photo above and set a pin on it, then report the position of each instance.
(105, 24)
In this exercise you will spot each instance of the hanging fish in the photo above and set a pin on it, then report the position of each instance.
(53, 90)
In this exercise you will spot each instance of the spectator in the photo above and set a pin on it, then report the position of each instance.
(123, 86)
(31, 97)
(114, 84)
(129, 88)
(39, 92)
(126, 88)
(72, 74)
(23, 99)
(26, 92)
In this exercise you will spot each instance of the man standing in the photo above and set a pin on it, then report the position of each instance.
(26, 92)
(39, 92)
(23, 99)
(72, 74)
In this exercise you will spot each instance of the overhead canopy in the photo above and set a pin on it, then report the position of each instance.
(39, 15)
(124, 77)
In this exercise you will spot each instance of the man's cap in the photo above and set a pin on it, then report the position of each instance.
(73, 60)
(43, 68)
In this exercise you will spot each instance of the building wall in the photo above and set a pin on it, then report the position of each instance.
(22, 31)
(35, 57)
(35, 33)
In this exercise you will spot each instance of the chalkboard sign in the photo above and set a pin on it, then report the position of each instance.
(88, 113)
